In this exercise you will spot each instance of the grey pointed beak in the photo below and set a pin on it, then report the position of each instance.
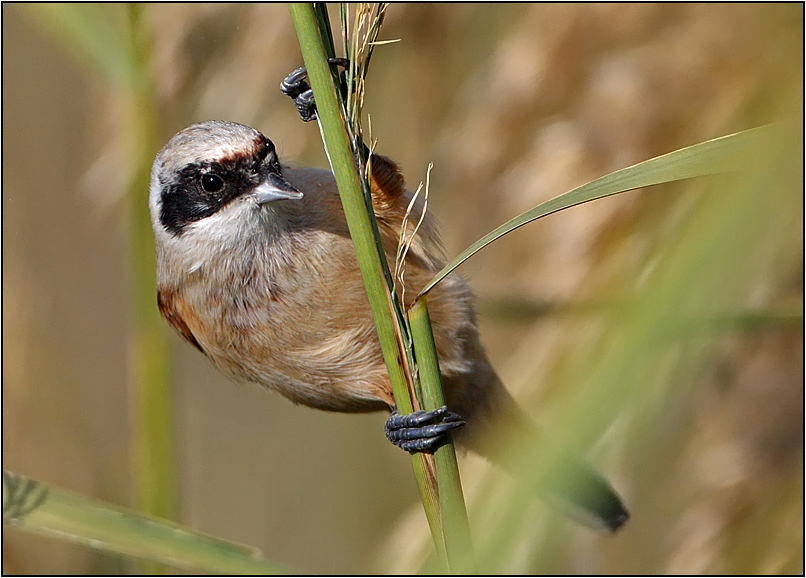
(275, 188)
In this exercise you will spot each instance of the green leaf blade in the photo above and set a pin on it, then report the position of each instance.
(720, 155)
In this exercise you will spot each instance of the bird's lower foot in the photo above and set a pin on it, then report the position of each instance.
(422, 430)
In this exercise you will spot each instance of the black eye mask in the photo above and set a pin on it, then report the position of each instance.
(202, 189)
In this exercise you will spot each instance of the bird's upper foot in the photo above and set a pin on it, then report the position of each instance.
(296, 87)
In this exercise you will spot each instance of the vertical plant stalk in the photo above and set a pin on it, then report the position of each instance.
(149, 354)
(113, 38)
(338, 149)
(372, 261)
(456, 529)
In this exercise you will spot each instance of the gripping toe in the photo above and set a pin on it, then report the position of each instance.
(297, 88)
(415, 432)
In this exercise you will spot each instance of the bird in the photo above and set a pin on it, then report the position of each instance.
(256, 269)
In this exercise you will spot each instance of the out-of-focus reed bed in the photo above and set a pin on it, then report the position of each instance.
(514, 104)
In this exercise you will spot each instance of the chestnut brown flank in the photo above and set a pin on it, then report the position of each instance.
(165, 302)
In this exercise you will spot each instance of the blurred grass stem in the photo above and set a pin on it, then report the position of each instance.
(150, 360)
(149, 357)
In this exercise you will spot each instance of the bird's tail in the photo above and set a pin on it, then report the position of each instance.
(567, 483)
(580, 492)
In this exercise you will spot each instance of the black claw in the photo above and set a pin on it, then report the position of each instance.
(416, 418)
(420, 445)
(296, 87)
(294, 84)
(410, 432)
(428, 431)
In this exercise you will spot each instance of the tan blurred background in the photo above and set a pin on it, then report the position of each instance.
(514, 104)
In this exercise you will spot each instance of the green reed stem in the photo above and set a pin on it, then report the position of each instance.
(458, 544)
(363, 230)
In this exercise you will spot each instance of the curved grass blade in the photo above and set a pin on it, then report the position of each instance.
(43, 509)
(724, 154)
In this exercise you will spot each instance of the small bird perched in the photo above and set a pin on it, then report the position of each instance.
(256, 269)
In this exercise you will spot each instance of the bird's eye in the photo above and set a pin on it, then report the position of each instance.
(211, 182)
